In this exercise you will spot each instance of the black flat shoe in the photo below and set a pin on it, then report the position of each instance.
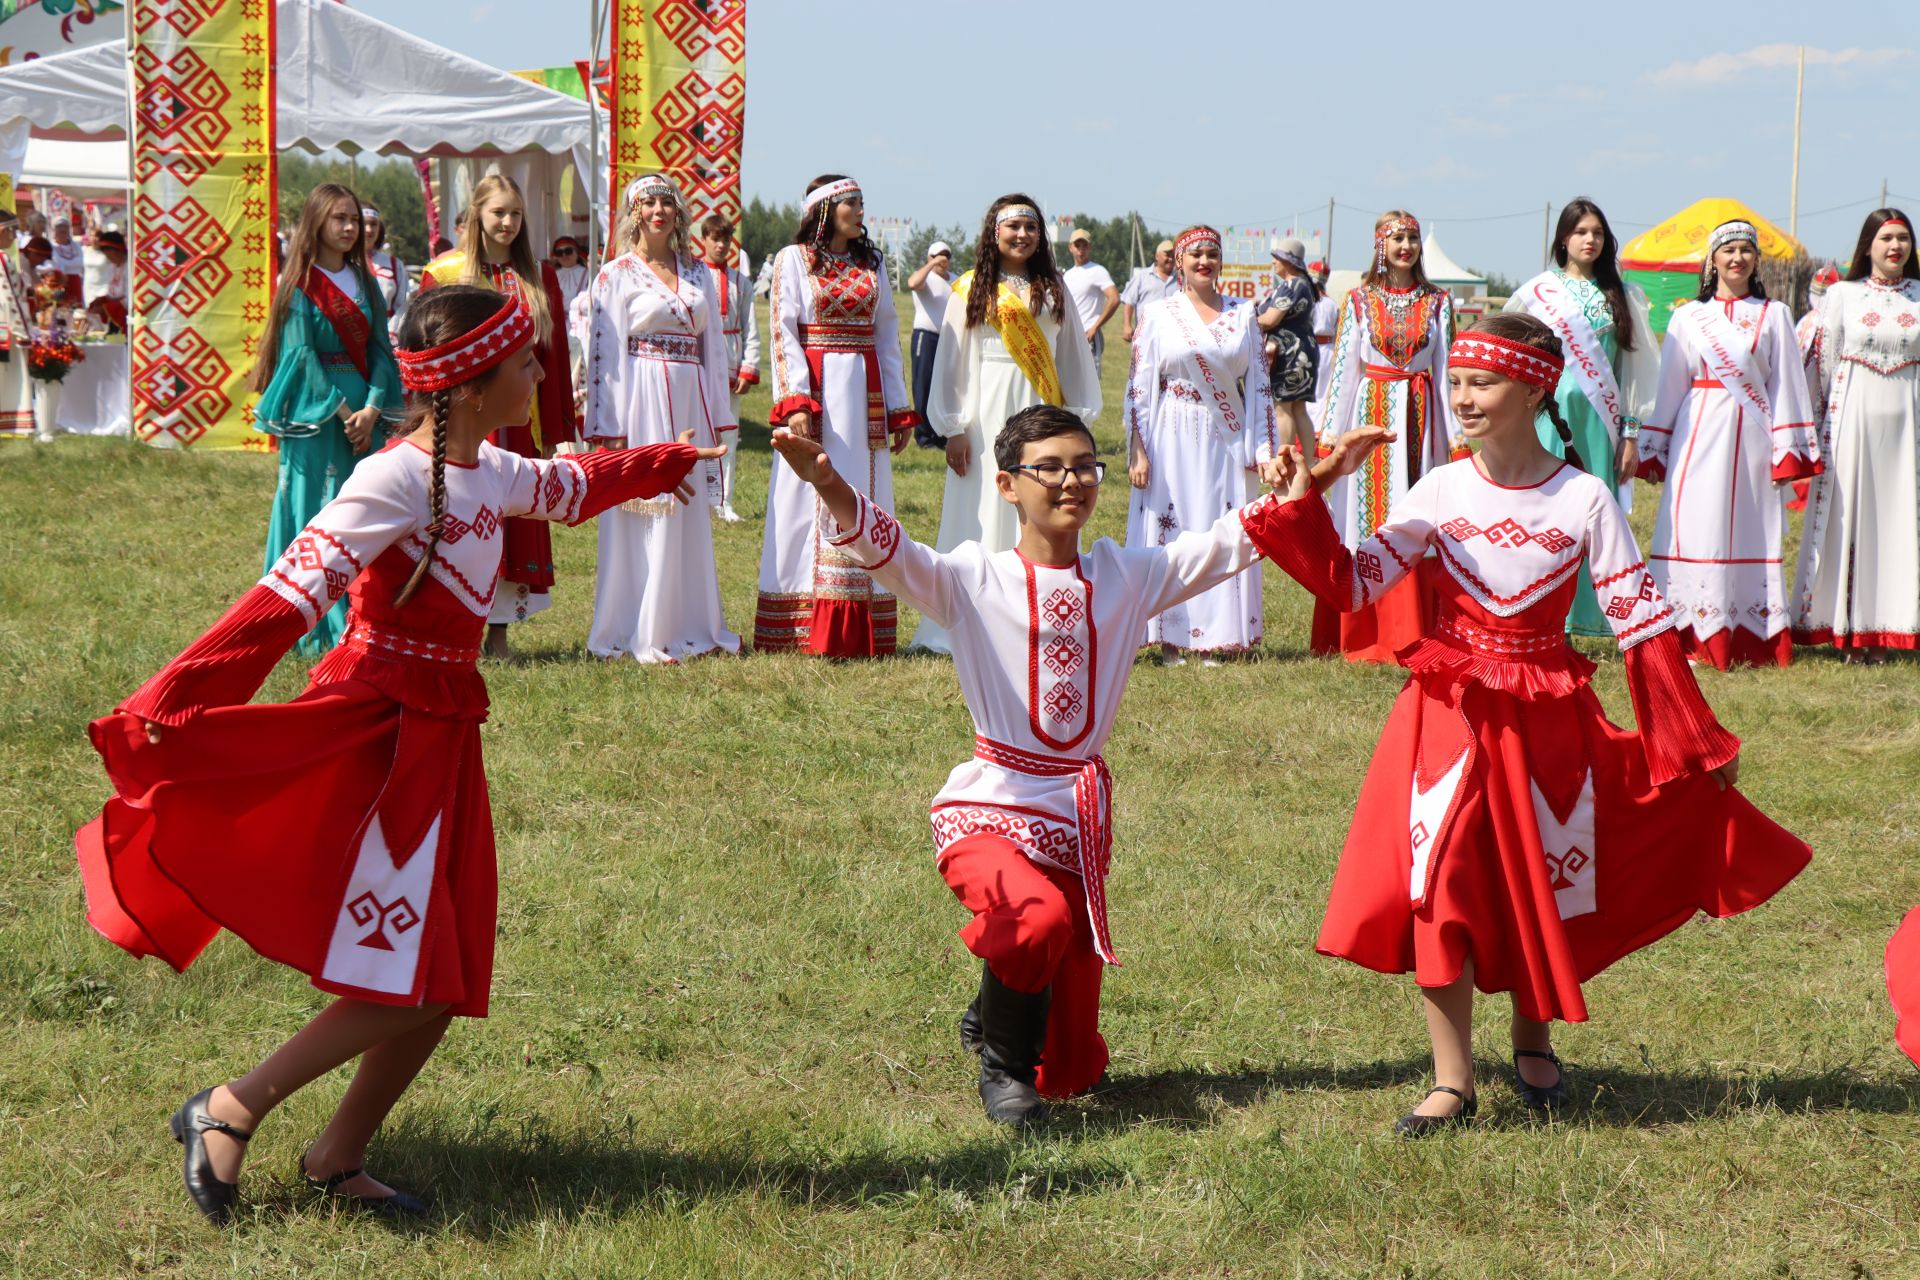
(190, 1124)
(397, 1205)
(1413, 1125)
(1540, 1097)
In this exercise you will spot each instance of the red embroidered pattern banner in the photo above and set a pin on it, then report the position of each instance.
(679, 98)
(203, 216)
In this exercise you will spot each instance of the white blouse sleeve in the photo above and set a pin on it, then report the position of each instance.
(913, 571)
(379, 504)
(606, 339)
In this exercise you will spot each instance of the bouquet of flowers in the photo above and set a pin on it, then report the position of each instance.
(49, 358)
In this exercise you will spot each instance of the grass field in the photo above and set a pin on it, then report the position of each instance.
(727, 982)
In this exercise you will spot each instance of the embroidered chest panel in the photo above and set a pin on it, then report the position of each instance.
(843, 292)
(1399, 332)
(1062, 650)
(1882, 327)
(1509, 560)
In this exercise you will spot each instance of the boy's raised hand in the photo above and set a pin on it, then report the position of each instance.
(808, 458)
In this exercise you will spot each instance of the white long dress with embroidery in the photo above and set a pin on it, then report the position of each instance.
(1197, 396)
(1043, 653)
(1859, 574)
(657, 366)
(1716, 549)
(976, 388)
(843, 317)
(16, 335)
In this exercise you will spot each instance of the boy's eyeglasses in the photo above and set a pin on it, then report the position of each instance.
(1054, 474)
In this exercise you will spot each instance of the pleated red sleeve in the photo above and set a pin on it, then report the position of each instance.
(1678, 730)
(226, 666)
(1300, 538)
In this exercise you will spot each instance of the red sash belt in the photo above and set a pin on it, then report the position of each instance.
(818, 339)
(1499, 642)
(1093, 823)
(349, 322)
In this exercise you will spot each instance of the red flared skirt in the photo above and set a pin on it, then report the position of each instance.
(1903, 983)
(1525, 836)
(341, 834)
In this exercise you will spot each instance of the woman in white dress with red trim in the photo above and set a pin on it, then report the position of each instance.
(657, 365)
(1199, 419)
(1858, 585)
(1731, 424)
(1508, 837)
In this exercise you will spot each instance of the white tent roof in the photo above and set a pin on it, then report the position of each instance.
(346, 81)
(1440, 268)
(54, 162)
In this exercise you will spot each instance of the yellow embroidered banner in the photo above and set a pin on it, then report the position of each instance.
(203, 216)
(680, 97)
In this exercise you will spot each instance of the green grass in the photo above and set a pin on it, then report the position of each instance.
(727, 984)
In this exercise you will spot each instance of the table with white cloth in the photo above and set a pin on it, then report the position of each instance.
(96, 395)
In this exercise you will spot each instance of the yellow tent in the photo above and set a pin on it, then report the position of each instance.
(1666, 260)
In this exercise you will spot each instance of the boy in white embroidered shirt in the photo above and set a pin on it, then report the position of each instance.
(1021, 830)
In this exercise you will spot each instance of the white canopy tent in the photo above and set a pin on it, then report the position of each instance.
(346, 82)
(1448, 274)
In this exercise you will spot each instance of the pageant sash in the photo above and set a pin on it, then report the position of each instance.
(1550, 300)
(1014, 321)
(1180, 310)
(1728, 354)
(343, 313)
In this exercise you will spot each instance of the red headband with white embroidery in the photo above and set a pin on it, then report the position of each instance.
(1194, 236)
(473, 353)
(1507, 358)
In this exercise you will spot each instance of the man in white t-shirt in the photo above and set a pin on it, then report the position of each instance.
(930, 289)
(1091, 289)
(1151, 285)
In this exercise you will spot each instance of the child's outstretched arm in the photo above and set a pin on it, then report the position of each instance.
(916, 573)
(1297, 532)
(580, 486)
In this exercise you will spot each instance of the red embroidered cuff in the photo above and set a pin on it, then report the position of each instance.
(786, 408)
(1796, 467)
(1652, 470)
(902, 420)
(749, 377)
(1677, 729)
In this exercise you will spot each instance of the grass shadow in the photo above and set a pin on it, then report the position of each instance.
(488, 1183)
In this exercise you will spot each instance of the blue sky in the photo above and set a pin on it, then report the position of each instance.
(1247, 112)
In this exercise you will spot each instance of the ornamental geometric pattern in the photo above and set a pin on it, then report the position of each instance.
(203, 216)
(1509, 534)
(679, 97)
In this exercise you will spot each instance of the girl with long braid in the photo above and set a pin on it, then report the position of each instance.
(364, 855)
(1508, 836)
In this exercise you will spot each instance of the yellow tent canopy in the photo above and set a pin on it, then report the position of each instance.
(1680, 243)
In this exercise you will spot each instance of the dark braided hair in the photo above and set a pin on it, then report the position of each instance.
(1606, 267)
(1518, 326)
(438, 316)
(1048, 289)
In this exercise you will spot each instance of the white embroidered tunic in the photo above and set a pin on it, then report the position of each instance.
(1043, 653)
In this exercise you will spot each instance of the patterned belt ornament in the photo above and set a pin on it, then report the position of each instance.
(675, 348)
(1495, 642)
(385, 642)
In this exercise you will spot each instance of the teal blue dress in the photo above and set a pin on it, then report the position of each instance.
(312, 378)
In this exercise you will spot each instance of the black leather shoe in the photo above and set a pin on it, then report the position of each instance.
(190, 1124)
(1013, 1032)
(1413, 1125)
(397, 1205)
(1540, 1097)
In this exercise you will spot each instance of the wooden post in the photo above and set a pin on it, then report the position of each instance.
(1326, 245)
(1546, 235)
(1793, 198)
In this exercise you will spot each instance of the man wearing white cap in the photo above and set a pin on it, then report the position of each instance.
(930, 289)
(1091, 288)
(1150, 285)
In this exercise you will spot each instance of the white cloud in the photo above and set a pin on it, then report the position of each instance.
(1717, 68)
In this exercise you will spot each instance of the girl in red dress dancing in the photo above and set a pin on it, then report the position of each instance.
(363, 854)
(1508, 836)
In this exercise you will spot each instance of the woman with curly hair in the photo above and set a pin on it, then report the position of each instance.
(837, 379)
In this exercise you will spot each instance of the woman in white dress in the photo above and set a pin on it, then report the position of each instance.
(1858, 586)
(1389, 370)
(389, 273)
(1199, 416)
(1730, 423)
(657, 369)
(837, 379)
(1002, 348)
